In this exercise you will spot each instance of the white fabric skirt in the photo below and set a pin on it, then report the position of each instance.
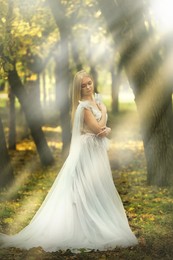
(82, 210)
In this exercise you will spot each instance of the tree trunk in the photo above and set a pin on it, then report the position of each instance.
(12, 122)
(75, 53)
(62, 92)
(6, 170)
(115, 90)
(152, 93)
(30, 109)
(94, 74)
(154, 113)
(44, 89)
(33, 92)
(62, 71)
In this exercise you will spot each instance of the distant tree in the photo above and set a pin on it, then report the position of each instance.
(31, 117)
(12, 121)
(62, 71)
(16, 60)
(115, 79)
(6, 170)
(144, 59)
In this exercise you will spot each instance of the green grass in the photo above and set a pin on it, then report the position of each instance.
(149, 209)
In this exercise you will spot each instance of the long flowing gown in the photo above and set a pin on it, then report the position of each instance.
(83, 209)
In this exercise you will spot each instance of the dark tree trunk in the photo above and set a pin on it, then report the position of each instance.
(152, 96)
(94, 74)
(12, 122)
(6, 170)
(32, 119)
(115, 90)
(154, 113)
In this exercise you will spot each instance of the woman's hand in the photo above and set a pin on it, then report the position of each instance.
(104, 132)
(108, 131)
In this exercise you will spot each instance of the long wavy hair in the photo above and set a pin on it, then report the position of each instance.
(76, 90)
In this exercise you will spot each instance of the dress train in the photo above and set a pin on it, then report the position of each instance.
(83, 209)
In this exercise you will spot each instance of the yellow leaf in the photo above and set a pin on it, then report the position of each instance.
(8, 220)
(151, 218)
(39, 34)
(3, 19)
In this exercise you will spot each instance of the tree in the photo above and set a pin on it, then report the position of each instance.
(62, 71)
(146, 73)
(32, 120)
(14, 57)
(12, 122)
(6, 170)
(115, 89)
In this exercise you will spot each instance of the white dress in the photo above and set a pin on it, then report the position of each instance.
(83, 209)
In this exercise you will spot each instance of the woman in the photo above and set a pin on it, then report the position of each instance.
(82, 209)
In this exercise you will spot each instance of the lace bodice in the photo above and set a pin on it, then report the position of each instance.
(96, 112)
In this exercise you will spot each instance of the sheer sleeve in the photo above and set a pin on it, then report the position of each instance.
(78, 125)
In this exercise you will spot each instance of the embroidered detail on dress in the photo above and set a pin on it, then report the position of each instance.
(96, 112)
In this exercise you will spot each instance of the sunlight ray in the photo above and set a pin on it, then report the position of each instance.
(162, 12)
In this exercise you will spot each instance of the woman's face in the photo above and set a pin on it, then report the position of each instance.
(87, 87)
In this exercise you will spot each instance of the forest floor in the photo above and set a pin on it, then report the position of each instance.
(149, 209)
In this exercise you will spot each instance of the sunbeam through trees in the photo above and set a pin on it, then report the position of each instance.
(127, 47)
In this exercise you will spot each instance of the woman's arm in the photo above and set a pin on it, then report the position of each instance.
(98, 128)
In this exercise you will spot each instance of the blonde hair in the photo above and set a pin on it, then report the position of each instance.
(76, 90)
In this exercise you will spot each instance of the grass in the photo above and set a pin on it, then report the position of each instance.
(149, 209)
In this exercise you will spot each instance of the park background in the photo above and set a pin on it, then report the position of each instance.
(127, 46)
